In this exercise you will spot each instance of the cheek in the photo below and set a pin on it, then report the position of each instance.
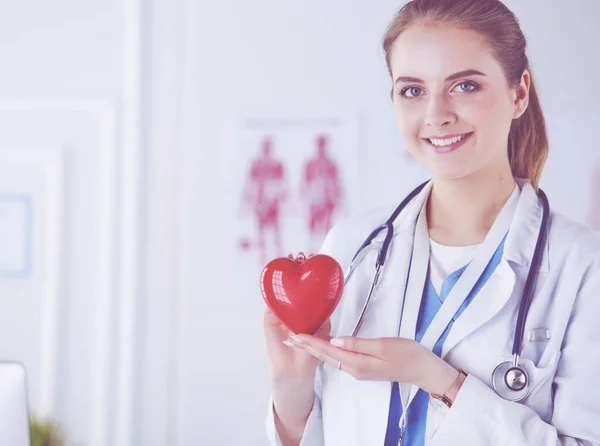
(486, 112)
(478, 108)
(408, 120)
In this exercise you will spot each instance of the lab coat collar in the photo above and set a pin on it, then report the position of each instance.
(407, 220)
(521, 239)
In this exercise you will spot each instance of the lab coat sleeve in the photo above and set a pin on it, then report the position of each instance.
(479, 416)
(313, 432)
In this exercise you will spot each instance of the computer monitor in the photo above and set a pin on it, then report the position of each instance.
(14, 408)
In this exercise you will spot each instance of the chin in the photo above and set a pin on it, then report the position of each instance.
(449, 176)
(451, 166)
(451, 172)
(448, 170)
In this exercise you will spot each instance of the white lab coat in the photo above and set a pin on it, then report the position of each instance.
(563, 407)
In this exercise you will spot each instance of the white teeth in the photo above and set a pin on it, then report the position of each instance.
(447, 141)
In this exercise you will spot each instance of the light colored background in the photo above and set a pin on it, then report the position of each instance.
(128, 325)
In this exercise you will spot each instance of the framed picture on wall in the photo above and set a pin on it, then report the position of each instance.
(16, 235)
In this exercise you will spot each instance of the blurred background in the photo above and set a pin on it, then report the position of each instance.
(155, 154)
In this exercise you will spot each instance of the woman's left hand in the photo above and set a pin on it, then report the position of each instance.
(383, 359)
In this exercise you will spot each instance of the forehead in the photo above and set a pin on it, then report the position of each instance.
(431, 52)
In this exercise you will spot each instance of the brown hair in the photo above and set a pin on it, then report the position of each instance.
(527, 139)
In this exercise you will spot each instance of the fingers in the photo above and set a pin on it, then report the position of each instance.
(268, 314)
(270, 318)
(324, 331)
(371, 347)
(275, 331)
(316, 353)
(358, 365)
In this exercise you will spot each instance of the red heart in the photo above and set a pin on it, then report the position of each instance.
(302, 293)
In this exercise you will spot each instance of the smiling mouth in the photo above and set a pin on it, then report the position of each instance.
(447, 142)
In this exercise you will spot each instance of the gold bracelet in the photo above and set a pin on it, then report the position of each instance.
(450, 395)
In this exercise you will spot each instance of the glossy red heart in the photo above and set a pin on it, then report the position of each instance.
(302, 293)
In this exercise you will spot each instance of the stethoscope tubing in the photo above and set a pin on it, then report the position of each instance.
(526, 297)
(531, 276)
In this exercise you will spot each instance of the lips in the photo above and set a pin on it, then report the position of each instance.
(447, 143)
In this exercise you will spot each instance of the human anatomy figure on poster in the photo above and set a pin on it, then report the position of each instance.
(322, 192)
(264, 192)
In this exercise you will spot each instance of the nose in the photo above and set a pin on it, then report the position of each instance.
(439, 113)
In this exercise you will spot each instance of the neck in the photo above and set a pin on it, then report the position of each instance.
(461, 212)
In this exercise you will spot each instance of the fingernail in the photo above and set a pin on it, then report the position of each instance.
(288, 343)
(295, 338)
(337, 342)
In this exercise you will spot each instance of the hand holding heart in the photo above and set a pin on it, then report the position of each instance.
(288, 364)
(383, 359)
(301, 295)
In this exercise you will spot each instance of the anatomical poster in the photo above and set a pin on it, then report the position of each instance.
(292, 180)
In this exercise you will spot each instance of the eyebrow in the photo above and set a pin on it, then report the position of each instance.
(452, 77)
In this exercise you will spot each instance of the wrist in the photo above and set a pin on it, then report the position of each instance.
(293, 399)
(449, 396)
(292, 406)
(284, 377)
(455, 387)
(292, 384)
(436, 375)
(443, 379)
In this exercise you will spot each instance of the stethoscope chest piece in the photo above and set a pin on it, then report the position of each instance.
(510, 382)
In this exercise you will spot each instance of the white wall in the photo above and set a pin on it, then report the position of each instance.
(61, 49)
(62, 108)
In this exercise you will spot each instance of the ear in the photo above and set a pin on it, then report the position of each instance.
(522, 95)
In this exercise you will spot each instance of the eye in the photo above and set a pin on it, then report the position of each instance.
(467, 87)
(411, 92)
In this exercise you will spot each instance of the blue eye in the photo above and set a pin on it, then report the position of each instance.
(467, 87)
(411, 92)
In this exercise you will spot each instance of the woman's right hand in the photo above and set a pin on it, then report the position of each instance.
(292, 372)
(288, 364)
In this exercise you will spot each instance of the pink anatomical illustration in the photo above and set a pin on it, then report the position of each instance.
(264, 192)
(321, 191)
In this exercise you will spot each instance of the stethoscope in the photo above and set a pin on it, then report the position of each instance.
(509, 379)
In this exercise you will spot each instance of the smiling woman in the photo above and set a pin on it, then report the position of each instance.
(466, 254)
(482, 47)
(480, 103)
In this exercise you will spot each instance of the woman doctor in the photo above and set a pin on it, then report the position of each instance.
(467, 109)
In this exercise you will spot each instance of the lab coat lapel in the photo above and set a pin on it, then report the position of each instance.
(494, 295)
(383, 320)
(520, 243)
(408, 284)
(417, 276)
(414, 290)
(518, 249)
